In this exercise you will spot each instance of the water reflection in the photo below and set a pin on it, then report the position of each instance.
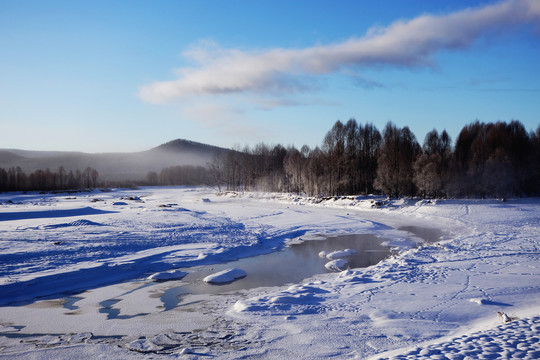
(427, 234)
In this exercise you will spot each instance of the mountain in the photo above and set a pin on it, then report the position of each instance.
(114, 166)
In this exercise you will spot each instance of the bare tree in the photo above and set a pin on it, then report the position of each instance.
(217, 170)
(397, 154)
(431, 167)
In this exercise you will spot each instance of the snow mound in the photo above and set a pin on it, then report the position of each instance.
(225, 276)
(167, 275)
(323, 254)
(81, 222)
(340, 254)
(84, 222)
(143, 345)
(337, 265)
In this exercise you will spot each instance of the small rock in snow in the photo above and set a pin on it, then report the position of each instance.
(337, 265)
(225, 276)
(504, 318)
(186, 351)
(479, 301)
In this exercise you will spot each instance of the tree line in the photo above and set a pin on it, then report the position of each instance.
(488, 159)
(15, 179)
(179, 175)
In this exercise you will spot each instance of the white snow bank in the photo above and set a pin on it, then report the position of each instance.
(167, 275)
(337, 265)
(340, 254)
(225, 276)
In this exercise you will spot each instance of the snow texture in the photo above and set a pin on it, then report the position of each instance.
(518, 340)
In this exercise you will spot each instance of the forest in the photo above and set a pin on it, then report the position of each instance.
(15, 179)
(487, 160)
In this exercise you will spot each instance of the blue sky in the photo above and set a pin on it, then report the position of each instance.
(101, 76)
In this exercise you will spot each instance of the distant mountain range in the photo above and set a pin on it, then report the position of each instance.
(114, 166)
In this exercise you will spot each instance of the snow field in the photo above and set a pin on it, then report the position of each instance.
(419, 303)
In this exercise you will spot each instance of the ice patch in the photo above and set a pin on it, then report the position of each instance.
(337, 265)
(167, 275)
(225, 276)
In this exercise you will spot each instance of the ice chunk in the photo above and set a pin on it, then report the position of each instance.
(167, 275)
(323, 254)
(340, 254)
(225, 276)
(337, 265)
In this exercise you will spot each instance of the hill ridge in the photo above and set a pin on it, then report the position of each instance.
(114, 166)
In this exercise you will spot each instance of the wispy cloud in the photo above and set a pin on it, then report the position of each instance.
(367, 84)
(409, 43)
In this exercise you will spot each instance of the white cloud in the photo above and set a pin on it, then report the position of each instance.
(402, 44)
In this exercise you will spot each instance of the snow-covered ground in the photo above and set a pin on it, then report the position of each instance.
(75, 277)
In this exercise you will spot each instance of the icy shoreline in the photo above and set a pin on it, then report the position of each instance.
(488, 263)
